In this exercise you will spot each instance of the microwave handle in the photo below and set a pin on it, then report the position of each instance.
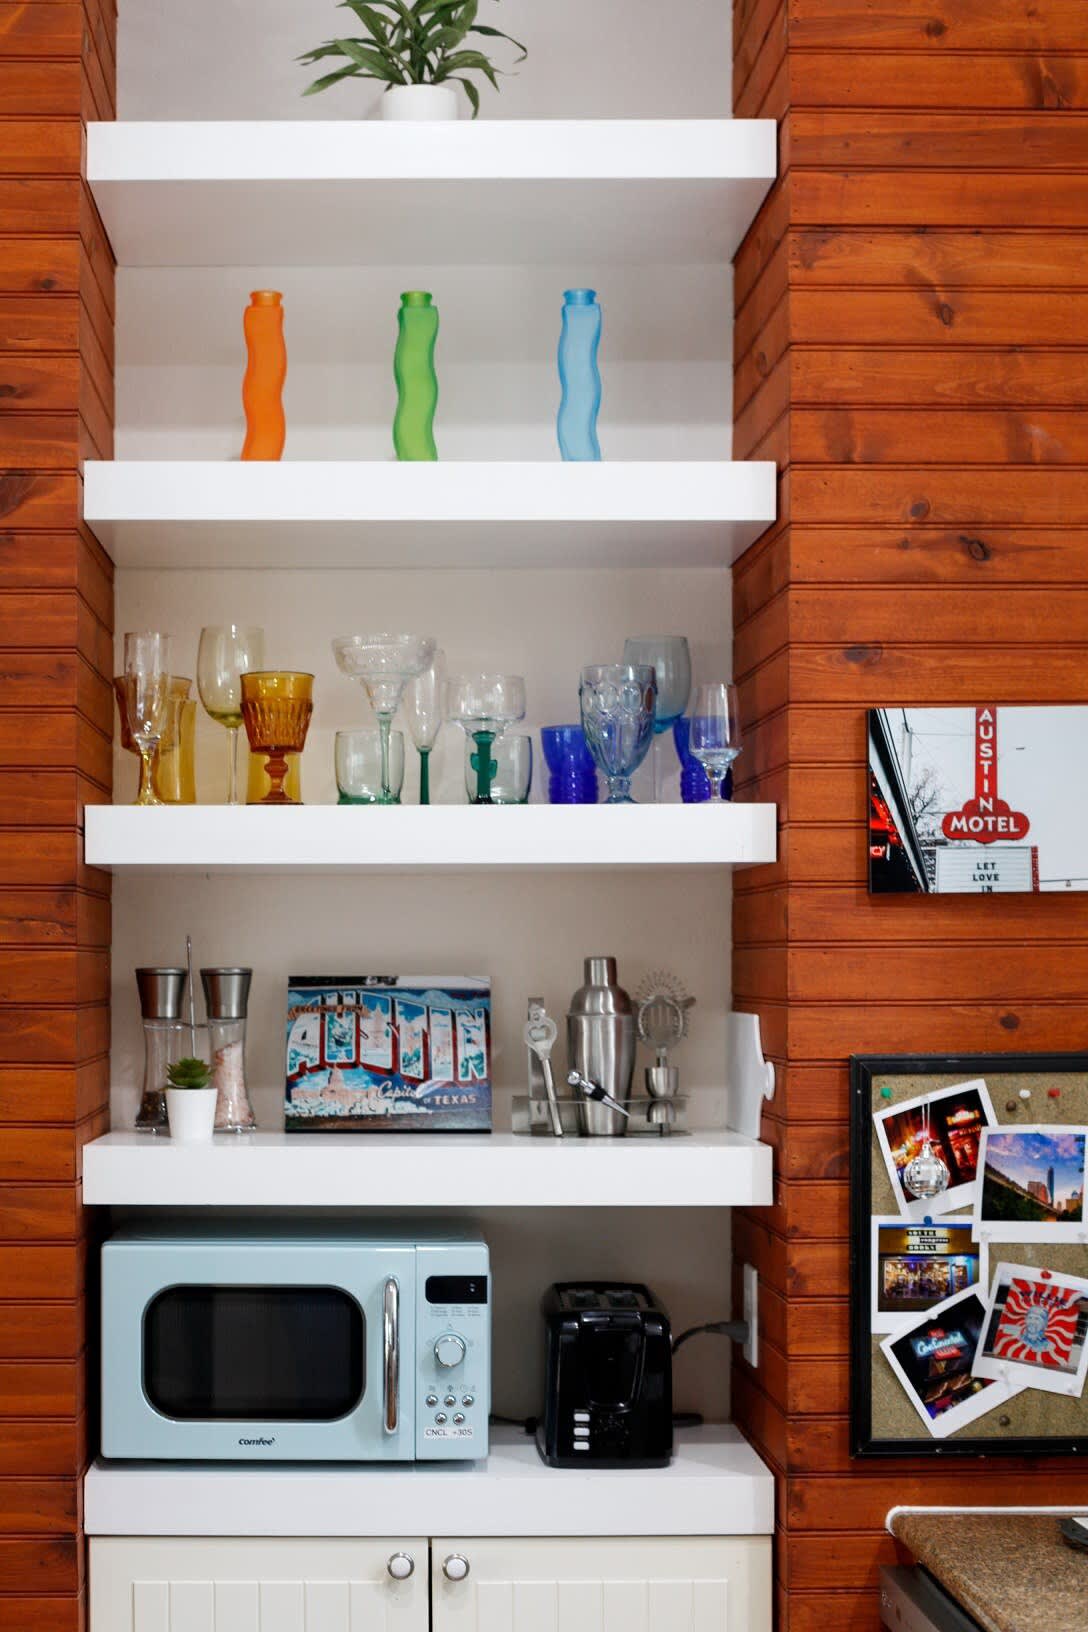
(391, 1355)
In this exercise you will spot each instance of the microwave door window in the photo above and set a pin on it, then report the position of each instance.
(254, 1353)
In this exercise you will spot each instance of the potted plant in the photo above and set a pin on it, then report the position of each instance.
(190, 1101)
(418, 50)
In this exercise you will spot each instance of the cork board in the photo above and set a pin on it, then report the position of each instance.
(884, 1420)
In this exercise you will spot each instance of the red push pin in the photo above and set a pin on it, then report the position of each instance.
(1053, 1093)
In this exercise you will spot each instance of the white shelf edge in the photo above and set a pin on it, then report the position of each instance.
(410, 838)
(716, 1485)
(303, 1170)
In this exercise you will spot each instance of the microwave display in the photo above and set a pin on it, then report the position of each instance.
(250, 1353)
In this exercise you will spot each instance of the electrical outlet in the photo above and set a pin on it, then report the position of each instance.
(751, 1314)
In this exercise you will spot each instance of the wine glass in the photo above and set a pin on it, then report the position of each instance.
(276, 706)
(147, 693)
(670, 659)
(715, 730)
(225, 653)
(618, 704)
(483, 705)
(383, 665)
(425, 712)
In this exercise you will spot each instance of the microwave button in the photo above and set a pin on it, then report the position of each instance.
(468, 1399)
(440, 1418)
(432, 1399)
(451, 1399)
(449, 1349)
(458, 1418)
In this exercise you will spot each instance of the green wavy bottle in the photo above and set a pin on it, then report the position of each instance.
(417, 382)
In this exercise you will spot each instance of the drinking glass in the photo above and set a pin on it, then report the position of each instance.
(715, 730)
(511, 769)
(483, 705)
(670, 659)
(173, 773)
(383, 665)
(424, 712)
(225, 653)
(573, 779)
(618, 703)
(359, 767)
(276, 709)
(147, 695)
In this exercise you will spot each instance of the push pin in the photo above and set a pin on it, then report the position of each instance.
(885, 1093)
(1011, 1105)
(1053, 1093)
(928, 1222)
(1025, 1093)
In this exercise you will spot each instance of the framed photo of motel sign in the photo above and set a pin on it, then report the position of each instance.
(977, 801)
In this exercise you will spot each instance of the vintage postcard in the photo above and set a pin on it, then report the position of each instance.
(915, 1266)
(1036, 1326)
(933, 1359)
(953, 1119)
(1032, 1184)
(388, 1053)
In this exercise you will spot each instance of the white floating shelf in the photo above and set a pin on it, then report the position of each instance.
(721, 1169)
(413, 838)
(306, 514)
(716, 1485)
(323, 193)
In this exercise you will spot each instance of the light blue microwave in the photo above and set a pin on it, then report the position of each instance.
(239, 1343)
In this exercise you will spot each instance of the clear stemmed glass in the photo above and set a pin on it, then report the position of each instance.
(383, 665)
(715, 730)
(484, 705)
(618, 705)
(226, 652)
(147, 694)
(670, 659)
(425, 712)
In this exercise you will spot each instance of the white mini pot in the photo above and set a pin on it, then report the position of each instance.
(430, 102)
(192, 1114)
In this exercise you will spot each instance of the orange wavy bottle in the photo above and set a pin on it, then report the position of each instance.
(266, 370)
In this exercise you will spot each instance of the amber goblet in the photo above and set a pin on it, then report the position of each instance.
(276, 709)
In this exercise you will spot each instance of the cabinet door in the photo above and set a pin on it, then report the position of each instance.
(225, 1585)
(626, 1585)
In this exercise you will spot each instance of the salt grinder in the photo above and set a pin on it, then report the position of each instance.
(226, 999)
(161, 991)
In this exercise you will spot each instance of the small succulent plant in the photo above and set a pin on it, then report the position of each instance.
(189, 1073)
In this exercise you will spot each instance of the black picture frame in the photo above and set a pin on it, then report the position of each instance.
(863, 1069)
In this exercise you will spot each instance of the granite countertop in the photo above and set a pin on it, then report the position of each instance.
(1013, 1574)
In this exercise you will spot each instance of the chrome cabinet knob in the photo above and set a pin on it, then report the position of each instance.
(455, 1568)
(401, 1566)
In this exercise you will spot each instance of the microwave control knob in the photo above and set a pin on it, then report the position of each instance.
(449, 1350)
(401, 1566)
(455, 1568)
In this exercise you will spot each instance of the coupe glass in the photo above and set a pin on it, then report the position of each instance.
(511, 769)
(383, 665)
(715, 730)
(618, 704)
(276, 709)
(359, 767)
(226, 652)
(424, 713)
(147, 696)
(483, 705)
(670, 659)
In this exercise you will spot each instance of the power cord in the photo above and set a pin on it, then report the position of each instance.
(737, 1330)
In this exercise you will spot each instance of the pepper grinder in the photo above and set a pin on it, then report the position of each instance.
(601, 1044)
(226, 998)
(161, 991)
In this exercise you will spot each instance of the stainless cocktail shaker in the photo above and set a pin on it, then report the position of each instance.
(601, 1043)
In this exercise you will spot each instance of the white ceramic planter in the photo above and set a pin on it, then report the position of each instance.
(430, 102)
(192, 1114)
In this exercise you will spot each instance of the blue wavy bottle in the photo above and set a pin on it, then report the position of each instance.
(579, 375)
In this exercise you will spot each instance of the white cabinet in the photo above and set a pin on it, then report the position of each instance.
(592, 1585)
(229, 1585)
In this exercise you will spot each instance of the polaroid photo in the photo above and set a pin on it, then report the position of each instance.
(1036, 1330)
(933, 1359)
(956, 1119)
(914, 1266)
(1031, 1184)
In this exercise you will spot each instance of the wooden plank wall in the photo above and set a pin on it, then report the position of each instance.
(56, 659)
(912, 348)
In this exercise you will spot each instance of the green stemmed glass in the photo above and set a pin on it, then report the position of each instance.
(383, 665)
(483, 705)
(424, 713)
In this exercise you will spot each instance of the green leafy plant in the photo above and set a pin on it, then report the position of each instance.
(189, 1073)
(416, 43)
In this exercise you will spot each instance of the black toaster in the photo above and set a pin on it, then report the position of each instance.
(608, 1377)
